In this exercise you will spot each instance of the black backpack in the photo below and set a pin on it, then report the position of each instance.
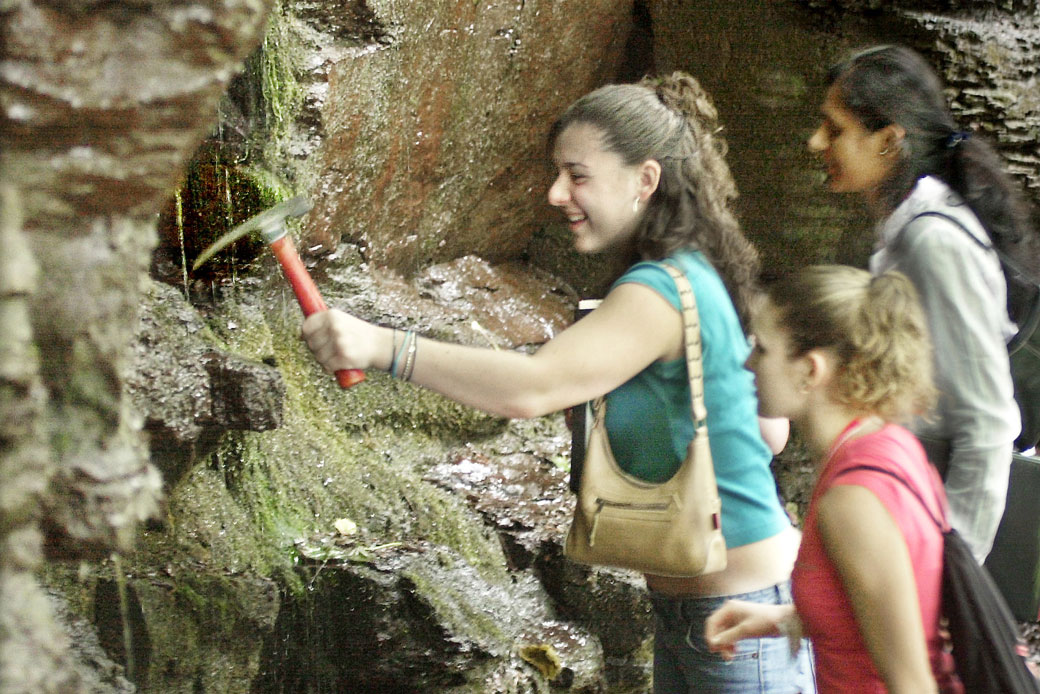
(1023, 293)
(987, 649)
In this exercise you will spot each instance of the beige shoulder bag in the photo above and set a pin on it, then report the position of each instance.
(668, 529)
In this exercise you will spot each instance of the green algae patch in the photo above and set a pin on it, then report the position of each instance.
(217, 192)
(274, 68)
(297, 481)
(243, 168)
(206, 525)
(454, 605)
(269, 329)
(357, 454)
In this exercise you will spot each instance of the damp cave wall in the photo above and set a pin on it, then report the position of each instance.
(196, 438)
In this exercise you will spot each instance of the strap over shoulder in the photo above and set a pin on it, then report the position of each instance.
(987, 244)
(941, 522)
(692, 340)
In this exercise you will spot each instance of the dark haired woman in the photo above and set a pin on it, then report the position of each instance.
(940, 199)
(641, 170)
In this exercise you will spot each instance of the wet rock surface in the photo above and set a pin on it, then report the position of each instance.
(189, 632)
(469, 300)
(405, 620)
(374, 599)
(418, 130)
(433, 135)
(378, 606)
(188, 390)
(94, 664)
(523, 496)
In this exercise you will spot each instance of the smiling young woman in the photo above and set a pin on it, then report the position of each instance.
(641, 171)
(857, 160)
(599, 193)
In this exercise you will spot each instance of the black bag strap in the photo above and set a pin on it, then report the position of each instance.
(1015, 278)
(981, 630)
(943, 526)
(1010, 267)
(1004, 259)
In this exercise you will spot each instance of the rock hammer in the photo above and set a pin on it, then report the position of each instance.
(271, 225)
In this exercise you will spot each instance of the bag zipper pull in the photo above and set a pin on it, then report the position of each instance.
(595, 521)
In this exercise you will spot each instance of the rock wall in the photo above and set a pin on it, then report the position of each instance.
(434, 143)
(379, 539)
(102, 104)
(418, 129)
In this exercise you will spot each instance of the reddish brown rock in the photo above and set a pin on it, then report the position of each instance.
(435, 138)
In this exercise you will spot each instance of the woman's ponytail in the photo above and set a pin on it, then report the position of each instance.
(874, 325)
(976, 172)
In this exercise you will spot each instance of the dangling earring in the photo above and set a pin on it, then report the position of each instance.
(635, 205)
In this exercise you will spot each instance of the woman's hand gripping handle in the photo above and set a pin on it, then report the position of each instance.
(309, 297)
(342, 343)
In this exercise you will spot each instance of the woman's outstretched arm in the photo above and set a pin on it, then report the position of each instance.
(633, 327)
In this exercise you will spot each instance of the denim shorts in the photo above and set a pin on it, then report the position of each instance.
(684, 665)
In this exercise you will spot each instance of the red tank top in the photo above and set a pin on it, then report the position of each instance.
(843, 663)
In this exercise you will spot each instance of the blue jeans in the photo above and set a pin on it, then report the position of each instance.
(684, 665)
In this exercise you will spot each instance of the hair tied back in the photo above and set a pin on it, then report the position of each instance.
(957, 137)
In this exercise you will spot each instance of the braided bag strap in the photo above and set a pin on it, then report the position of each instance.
(692, 340)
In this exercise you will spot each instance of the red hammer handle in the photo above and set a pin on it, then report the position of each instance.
(308, 295)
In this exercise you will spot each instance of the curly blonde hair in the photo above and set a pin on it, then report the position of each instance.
(874, 325)
(673, 121)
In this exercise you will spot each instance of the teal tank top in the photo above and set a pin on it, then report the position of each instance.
(649, 422)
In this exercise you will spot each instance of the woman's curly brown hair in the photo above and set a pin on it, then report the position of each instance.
(673, 121)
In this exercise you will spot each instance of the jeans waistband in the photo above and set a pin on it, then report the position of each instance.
(690, 607)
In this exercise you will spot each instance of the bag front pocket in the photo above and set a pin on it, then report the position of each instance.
(624, 514)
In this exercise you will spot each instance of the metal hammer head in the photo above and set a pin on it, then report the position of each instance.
(270, 223)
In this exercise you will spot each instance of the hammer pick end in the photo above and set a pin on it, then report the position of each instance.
(293, 207)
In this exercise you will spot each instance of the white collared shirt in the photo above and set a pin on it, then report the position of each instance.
(964, 294)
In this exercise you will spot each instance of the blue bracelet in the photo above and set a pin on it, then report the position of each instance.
(397, 357)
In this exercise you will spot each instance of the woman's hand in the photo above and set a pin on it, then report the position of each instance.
(341, 341)
(737, 620)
